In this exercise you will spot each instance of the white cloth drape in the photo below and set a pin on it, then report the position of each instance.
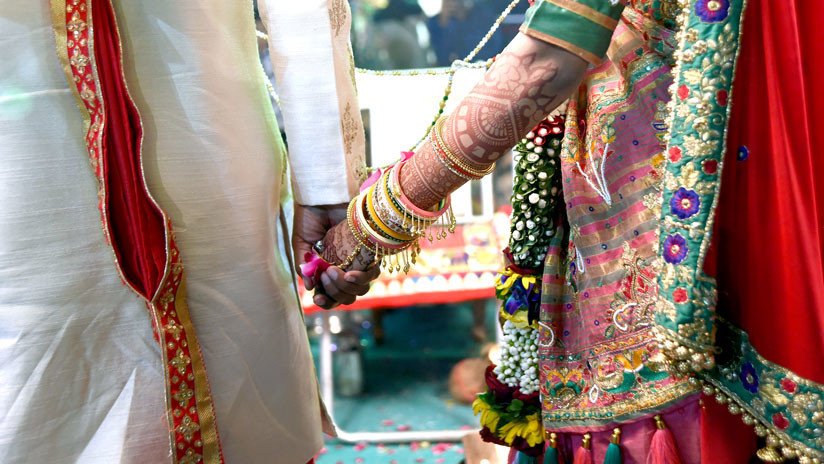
(80, 375)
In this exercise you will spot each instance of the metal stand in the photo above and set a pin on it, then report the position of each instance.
(327, 388)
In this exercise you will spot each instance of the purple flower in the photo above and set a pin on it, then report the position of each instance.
(712, 11)
(523, 299)
(749, 377)
(675, 249)
(685, 203)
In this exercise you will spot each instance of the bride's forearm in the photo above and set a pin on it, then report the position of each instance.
(527, 81)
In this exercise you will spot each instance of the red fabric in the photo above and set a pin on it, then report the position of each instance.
(768, 249)
(725, 439)
(771, 218)
(136, 225)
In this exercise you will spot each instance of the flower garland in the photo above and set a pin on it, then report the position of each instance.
(536, 192)
(510, 411)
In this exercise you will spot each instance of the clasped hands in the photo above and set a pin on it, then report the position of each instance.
(312, 224)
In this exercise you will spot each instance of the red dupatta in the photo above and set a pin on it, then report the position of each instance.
(768, 250)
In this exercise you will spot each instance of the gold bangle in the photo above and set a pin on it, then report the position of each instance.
(437, 138)
(379, 222)
(350, 218)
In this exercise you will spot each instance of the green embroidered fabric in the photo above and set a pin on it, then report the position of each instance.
(790, 406)
(699, 113)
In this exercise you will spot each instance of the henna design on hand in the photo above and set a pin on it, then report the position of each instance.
(339, 243)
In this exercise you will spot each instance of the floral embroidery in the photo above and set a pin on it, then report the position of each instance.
(685, 203)
(708, 40)
(683, 92)
(675, 154)
(675, 249)
(749, 377)
(788, 385)
(710, 167)
(679, 295)
(721, 97)
(712, 11)
(565, 385)
(779, 403)
(633, 305)
(780, 421)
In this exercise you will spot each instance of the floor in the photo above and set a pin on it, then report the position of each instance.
(405, 381)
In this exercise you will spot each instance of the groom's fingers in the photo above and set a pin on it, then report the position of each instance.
(362, 279)
(354, 282)
(324, 302)
(336, 288)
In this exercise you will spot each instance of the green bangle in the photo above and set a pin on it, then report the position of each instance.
(582, 27)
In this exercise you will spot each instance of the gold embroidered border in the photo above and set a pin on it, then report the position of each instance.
(583, 10)
(574, 49)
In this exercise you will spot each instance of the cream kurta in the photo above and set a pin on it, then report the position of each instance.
(81, 378)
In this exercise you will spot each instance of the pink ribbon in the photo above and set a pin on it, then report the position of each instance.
(313, 266)
(372, 179)
(405, 155)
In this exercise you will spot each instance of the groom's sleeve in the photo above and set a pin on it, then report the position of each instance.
(312, 60)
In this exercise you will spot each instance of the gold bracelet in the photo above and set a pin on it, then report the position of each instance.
(350, 218)
(382, 225)
(351, 258)
(471, 171)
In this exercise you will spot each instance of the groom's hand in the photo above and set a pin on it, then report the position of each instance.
(311, 225)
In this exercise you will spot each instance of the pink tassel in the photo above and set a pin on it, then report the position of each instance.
(583, 455)
(663, 449)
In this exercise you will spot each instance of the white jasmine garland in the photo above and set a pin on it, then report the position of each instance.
(518, 366)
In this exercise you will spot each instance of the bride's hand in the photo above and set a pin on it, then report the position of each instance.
(313, 223)
(339, 246)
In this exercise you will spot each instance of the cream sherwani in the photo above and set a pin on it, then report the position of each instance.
(81, 377)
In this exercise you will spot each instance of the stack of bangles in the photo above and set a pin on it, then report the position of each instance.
(385, 222)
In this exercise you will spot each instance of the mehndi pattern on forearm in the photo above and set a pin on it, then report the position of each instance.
(513, 96)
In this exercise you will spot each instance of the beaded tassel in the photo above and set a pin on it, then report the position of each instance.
(551, 453)
(613, 455)
(522, 458)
